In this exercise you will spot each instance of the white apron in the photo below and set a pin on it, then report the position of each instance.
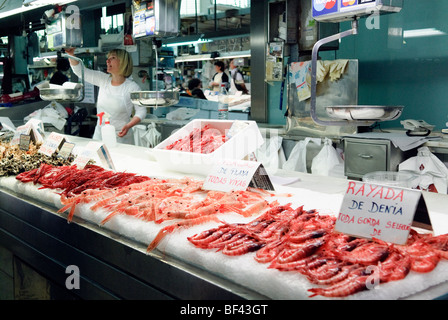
(115, 106)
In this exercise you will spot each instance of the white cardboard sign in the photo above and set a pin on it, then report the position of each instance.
(377, 211)
(230, 174)
(83, 157)
(23, 130)
(66, 150)
(53, 143)
(102, 152)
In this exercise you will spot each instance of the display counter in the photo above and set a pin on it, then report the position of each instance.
(112, 258)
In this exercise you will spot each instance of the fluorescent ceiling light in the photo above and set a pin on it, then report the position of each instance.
(234, 54)
(29, 5)
(207, 56)
(428, 32)
(187, 43)
(196, 57)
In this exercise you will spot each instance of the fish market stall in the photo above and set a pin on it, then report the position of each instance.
(117, 258)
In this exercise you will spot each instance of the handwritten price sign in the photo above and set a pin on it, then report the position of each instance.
(376, 211)
(229, 174)
(52, 144)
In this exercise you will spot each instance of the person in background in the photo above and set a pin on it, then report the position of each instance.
(114, 94)
(237, 83)
(59, 77)
(219, 77)
(194, 87)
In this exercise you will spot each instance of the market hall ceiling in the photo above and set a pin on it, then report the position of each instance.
(227, 18)
(14, 24)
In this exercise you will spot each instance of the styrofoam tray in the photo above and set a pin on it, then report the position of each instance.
(239, 146)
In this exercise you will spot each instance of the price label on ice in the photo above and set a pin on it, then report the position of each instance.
(102, 152)
(52, 144)
(66, 150)
(228, 175)
(83, 158)
(25, 140)
(377, 211)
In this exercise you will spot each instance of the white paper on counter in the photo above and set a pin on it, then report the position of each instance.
(7, 124)
(283, 181)
(437, 212)
(399, 139)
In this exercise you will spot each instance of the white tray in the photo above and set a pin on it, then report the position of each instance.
(239, 146)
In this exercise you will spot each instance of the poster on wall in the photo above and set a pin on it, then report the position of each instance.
(274, 61)
(143, 19)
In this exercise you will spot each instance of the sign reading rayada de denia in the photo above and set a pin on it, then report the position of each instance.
(381, 212)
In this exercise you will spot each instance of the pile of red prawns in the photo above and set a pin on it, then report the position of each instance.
(204, 140)
(303, 241)
(74, 181)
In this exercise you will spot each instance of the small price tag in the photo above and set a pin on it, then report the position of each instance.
(66, 150)
(230, 175)
(53, 143)
(382, 212)
(24, 143)
(102, 152)
(83, 158)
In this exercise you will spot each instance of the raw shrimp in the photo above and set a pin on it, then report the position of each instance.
(181, 224)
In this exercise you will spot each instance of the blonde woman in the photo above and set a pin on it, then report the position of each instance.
(114, 94)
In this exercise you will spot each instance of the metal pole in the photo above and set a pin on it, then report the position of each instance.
(314, 56)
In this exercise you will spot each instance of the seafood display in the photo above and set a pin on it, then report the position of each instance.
(303, 241)
(282, 237)
(205, 140)
(14, 161)
(149, 199)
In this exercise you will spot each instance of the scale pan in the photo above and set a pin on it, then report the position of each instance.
(62, 94)
(155, 98)
(365, 113)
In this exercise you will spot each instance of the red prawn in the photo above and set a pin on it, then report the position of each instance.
(244, 245)
(181, 224)
(203, 239)
(439, 244)
(344, 288)
(423, 258)
(366, 254)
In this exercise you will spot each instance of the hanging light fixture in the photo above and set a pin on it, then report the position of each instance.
(187, 43)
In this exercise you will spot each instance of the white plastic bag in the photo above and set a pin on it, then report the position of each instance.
(139, 131)
(182, 114)
(297, 158)
(271, 154)
(327, 158)
(148, 136)
(432, 173)
(152, 136)
(54, 113)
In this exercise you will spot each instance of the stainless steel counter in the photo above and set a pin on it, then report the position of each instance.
(111, 267)
(115, 267)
